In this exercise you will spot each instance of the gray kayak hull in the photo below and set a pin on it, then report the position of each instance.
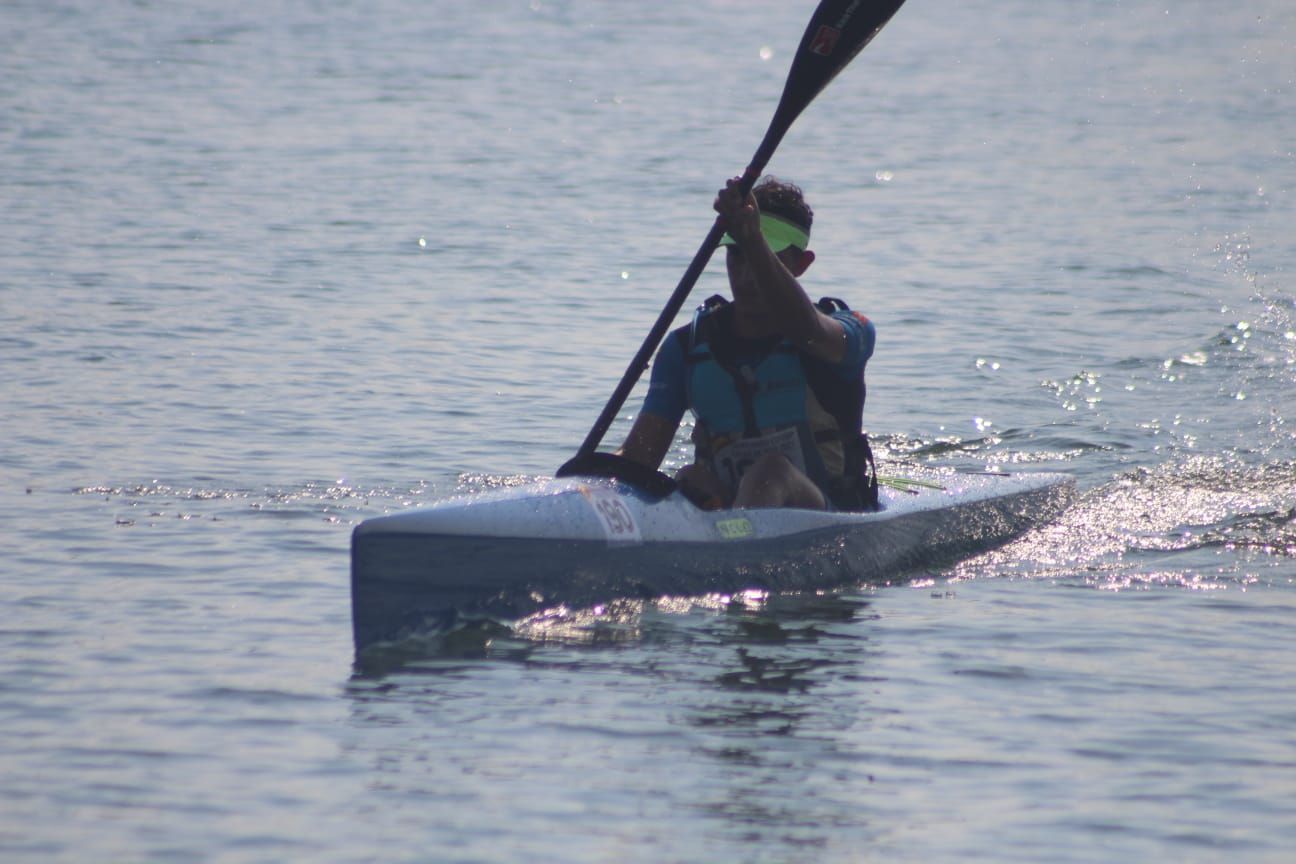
(580, 542)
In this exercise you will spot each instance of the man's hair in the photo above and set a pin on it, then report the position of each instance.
(784, 199)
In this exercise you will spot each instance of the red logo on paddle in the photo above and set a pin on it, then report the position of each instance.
(825, 40)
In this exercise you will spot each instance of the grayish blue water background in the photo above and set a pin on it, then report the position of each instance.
(269, 269)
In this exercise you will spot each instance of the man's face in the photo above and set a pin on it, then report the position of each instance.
(741, 281)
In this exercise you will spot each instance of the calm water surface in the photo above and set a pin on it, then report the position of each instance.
(268, 271)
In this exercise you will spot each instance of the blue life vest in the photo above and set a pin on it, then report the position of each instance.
(774, 396)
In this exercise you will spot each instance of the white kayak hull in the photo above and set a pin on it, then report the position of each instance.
(582, 541)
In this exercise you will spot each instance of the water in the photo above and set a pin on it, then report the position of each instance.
(267, 271)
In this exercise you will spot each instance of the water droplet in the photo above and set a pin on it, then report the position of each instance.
(766, 52)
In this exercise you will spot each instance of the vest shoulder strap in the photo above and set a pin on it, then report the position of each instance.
(829, 305)
(846, 405)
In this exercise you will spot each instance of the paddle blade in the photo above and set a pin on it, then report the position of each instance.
(838, 30)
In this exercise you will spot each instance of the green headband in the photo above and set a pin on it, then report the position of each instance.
(779, 234)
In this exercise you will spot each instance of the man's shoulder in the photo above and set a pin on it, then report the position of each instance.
(837, 308)
(714, 316)
(854, 319)
(860, 333)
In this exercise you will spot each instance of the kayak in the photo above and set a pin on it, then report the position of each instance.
(577, 542)
(607, 528)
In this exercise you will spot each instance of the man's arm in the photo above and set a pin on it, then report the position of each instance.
(663, 408)
(799, 320)
(649, 439)
(776, 275)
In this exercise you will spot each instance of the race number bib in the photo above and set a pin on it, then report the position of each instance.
(734, 458)
(618, 523)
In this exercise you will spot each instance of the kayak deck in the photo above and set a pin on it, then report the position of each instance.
(581, 541)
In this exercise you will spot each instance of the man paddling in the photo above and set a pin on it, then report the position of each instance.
(775, 381)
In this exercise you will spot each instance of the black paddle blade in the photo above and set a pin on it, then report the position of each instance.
(838, 30)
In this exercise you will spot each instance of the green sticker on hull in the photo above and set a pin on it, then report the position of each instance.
(734, 529)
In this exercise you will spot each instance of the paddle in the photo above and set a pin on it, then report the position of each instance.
(838, 30)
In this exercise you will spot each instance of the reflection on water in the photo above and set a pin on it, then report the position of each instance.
(753, 617)
(755, 695)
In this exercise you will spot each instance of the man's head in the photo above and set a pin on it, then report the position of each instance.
(785, 224)
(786, 201)
(785, 216)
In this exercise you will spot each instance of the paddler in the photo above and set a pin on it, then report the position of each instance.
(774, 380)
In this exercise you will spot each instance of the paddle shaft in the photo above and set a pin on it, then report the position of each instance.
(838, 30)
(659, 328)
